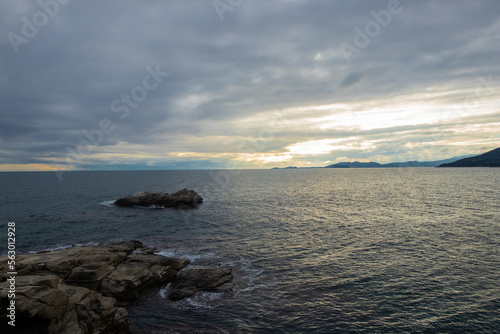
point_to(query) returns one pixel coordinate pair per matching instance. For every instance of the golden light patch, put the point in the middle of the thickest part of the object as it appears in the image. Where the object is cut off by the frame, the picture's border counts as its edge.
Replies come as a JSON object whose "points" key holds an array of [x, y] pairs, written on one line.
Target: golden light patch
{"points": [[32, 167]]}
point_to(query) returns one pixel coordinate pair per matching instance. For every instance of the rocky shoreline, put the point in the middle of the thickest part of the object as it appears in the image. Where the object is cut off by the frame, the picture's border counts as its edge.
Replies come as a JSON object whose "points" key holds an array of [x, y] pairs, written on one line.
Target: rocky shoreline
{"points": [[84, 289]]}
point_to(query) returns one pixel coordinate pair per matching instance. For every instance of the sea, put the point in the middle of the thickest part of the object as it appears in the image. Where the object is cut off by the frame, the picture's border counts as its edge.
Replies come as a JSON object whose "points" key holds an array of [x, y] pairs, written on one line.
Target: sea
{"points": [[387, 250]]}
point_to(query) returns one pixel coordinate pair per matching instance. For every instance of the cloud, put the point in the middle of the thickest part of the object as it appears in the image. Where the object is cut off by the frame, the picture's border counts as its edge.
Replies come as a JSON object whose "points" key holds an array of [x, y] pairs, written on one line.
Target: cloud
{"points": [[267, 84], [351, 79]]}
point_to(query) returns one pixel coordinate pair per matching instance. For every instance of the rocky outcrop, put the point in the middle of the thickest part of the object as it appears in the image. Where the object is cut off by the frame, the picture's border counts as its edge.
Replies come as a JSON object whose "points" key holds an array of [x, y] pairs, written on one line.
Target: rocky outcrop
{"points": [[44, 304], [39, 300], [82, 289], [112, 270], [182, 199], [191, 280]]}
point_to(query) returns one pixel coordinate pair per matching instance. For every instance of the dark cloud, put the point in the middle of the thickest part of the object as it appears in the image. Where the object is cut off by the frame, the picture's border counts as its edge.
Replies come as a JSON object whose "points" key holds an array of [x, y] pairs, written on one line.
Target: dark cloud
{"points": [[351, 79], [264, 55]]}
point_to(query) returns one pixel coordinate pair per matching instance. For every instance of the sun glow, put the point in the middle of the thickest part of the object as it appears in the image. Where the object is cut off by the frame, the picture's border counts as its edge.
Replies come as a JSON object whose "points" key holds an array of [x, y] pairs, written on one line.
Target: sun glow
{"points": [[325, 146]]}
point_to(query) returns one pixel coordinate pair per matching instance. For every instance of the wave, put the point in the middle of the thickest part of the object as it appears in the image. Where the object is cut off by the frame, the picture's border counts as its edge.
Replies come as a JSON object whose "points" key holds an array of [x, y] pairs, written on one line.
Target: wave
{"points": [[193, 258], [154, 207], [56, 248], [107, 203], [201, 300], [163, 292]]}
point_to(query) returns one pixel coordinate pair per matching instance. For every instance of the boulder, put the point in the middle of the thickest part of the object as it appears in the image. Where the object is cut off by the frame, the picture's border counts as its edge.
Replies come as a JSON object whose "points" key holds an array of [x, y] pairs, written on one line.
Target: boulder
{"points": [[191, 280], [182, 199]]}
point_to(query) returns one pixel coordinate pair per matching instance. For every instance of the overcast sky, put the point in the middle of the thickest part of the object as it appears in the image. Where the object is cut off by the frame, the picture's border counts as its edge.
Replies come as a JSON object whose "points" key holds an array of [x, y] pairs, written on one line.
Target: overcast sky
{"points": [[245, 83]]}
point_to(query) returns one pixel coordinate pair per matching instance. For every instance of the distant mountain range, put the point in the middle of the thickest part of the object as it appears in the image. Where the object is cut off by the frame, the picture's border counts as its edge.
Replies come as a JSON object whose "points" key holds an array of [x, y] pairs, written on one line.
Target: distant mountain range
{"points": [[357, 164], [488, 159], [372, 164]]}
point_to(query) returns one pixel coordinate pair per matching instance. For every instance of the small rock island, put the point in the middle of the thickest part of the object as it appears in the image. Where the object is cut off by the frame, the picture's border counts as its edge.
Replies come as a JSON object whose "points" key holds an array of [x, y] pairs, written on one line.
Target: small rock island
{"points": [[182, 199]]}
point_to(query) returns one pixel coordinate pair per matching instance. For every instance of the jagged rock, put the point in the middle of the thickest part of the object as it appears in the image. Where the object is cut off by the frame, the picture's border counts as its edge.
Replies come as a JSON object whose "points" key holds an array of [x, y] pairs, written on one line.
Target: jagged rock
{"points": [[124, 281], [191, 280], [62, 262], [180, 199], [89, 275], [138, 272], [96, 311], [109, 269], [164, 269], [76, 290], [45, 304], [161, 260]]}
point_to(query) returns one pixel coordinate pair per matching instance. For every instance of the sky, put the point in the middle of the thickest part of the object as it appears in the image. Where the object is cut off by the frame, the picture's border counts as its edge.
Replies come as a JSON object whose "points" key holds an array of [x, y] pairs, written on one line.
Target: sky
{"points": [[202, 84]]}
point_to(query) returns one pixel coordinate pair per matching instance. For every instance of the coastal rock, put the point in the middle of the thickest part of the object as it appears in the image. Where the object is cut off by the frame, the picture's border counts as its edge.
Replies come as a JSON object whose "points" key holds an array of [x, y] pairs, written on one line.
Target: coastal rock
{"points": [[191, 280], [45, 304], [81, 289], [97, 312], [182, 199], [112, 270], [125, 280], [39, 302], [78, 290], [63, 261]]}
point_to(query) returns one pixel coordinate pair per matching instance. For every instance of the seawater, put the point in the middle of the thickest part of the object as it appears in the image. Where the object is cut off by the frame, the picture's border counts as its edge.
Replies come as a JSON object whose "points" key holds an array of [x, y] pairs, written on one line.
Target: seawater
{"points": [[412, 250]]}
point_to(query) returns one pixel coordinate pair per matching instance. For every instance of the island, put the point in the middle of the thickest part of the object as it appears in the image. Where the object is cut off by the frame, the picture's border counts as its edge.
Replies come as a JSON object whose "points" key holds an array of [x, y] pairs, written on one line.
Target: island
{"points": [[184, 198]]}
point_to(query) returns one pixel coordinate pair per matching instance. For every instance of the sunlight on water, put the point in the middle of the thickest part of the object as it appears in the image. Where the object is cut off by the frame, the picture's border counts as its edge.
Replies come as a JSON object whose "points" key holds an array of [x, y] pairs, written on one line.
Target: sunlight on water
{"points": [[325, 251]]}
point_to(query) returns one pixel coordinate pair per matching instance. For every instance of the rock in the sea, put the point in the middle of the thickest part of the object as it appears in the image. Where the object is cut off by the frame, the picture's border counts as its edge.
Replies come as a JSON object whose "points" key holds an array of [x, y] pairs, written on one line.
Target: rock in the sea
{"points": [[191, 280], [81, 289], [78, 290], [112, 270], [180, 199]]}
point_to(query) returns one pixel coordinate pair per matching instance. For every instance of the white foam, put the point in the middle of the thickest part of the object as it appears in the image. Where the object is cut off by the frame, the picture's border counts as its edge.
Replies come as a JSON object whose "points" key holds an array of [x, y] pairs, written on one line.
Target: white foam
{"points": [[154, 206], [193, 258], [163, 292], [111, 203], [51, 249], [247, 277], [201, 300], [107, 203]]}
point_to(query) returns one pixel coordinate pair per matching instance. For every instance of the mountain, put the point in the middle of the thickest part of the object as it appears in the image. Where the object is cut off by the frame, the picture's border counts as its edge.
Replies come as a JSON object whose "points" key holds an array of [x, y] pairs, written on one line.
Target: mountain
{"points": [[488, 159], [370, 164], [355, 164]]}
